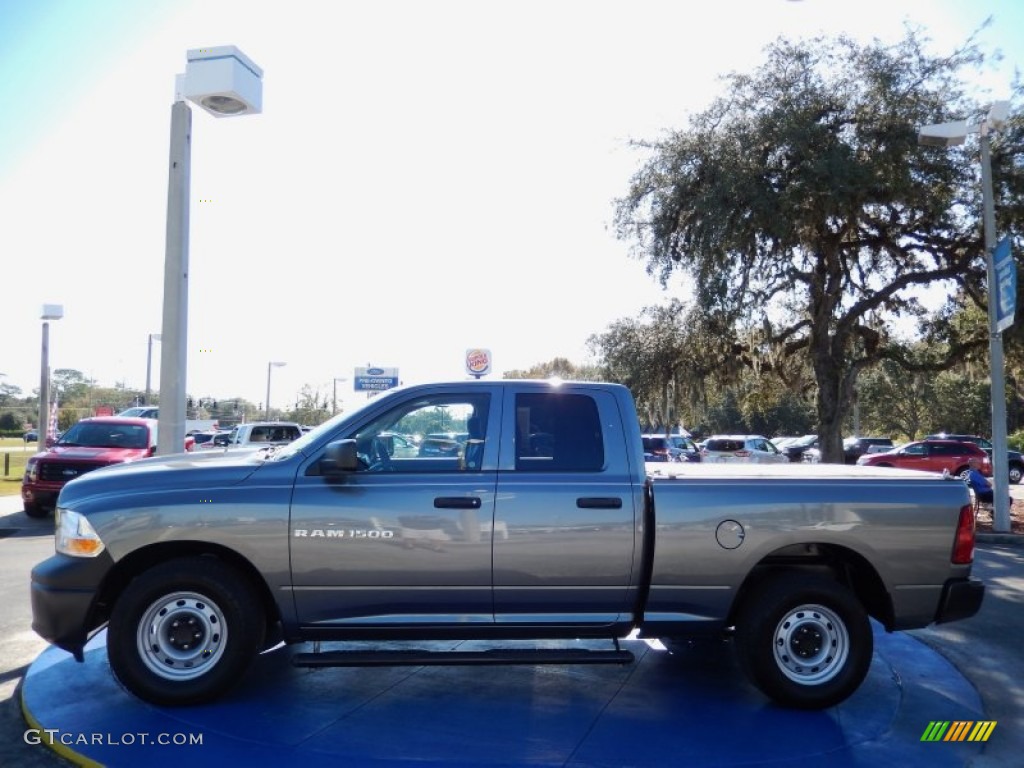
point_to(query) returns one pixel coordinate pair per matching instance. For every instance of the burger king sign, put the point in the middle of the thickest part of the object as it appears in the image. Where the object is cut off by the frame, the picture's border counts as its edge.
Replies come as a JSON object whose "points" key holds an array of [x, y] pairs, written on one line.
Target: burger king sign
{"points": [[478, 362]]}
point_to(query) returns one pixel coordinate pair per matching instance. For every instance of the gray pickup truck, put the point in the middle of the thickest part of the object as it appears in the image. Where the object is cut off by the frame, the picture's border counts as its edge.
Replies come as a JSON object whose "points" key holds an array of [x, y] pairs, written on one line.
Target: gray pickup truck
{"points": [[543, 523], [260, 434]]}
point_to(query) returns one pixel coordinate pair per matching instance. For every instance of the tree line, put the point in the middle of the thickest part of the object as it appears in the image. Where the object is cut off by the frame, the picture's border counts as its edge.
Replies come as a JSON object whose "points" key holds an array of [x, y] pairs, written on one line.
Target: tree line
{"points": [[79, 397]]}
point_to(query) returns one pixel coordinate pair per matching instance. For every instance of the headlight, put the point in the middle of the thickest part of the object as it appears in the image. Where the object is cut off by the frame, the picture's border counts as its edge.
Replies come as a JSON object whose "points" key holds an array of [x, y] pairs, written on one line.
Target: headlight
{"points": [[75, 535]]}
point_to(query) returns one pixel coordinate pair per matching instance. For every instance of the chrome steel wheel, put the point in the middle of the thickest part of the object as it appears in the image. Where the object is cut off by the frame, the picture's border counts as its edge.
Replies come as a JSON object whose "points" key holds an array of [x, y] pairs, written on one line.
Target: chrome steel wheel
{"points": [[181, 635], [811, 644]]}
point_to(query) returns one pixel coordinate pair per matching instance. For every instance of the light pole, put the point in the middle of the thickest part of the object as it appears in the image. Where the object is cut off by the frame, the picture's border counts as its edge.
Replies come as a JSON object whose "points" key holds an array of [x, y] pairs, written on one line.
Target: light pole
{"points": [[50, 312], [149, 363], [270, 366], [224, 82], [334, 407], [950, 135]]}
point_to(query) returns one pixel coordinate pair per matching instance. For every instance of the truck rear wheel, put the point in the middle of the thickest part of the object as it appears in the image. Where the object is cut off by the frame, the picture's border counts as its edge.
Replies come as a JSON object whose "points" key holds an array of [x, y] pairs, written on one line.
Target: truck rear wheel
{"points": [[804, 641], [184, 631]]}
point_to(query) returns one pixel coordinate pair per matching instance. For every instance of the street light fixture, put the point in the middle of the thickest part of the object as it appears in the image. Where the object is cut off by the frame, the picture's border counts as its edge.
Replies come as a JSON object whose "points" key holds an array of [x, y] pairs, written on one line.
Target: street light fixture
{"points": [[270, 366], [334, 407], [50, 312], [950, 135], [223, 82], [149, 363]]}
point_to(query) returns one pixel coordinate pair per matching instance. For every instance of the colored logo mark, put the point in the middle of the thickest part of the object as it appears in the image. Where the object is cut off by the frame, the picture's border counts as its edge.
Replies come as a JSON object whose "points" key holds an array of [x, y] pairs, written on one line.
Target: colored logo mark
{"points": [[959, 730]]}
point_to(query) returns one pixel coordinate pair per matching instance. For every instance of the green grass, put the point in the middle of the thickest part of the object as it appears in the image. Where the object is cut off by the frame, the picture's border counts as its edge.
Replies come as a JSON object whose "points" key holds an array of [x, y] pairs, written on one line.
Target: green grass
{"points": [[18, 451]]}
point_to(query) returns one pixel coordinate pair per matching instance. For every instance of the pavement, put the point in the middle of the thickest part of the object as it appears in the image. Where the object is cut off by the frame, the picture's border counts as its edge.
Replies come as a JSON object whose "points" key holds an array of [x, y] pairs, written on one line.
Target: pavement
{"points": [[690, 706]]}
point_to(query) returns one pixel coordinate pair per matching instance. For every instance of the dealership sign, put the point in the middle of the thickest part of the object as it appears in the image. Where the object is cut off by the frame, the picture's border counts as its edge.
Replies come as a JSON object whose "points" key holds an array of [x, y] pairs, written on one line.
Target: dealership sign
{"points": [[375, 379]]}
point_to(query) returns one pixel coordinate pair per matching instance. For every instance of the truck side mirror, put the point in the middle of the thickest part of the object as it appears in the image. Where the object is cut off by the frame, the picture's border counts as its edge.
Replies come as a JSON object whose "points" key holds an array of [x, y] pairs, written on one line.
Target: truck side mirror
{"points": [[340, 456]]}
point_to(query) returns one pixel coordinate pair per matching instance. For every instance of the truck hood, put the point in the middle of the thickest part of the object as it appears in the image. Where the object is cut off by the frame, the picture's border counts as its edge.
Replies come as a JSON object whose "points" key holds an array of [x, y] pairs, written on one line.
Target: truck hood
{"points": [[177, 471], [92, 453]]}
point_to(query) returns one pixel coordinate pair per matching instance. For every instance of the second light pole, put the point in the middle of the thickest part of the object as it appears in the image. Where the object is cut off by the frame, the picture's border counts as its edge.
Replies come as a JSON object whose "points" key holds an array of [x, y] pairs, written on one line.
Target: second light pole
{"points": [[270, 366], [950, 135], [334, 407], [149, 364]]}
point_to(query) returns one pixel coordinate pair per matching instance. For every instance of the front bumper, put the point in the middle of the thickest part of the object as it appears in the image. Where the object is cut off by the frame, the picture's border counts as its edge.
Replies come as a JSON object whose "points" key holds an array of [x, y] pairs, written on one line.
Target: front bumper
{"points": [[64, 591], [961, 599], [38, 493]]}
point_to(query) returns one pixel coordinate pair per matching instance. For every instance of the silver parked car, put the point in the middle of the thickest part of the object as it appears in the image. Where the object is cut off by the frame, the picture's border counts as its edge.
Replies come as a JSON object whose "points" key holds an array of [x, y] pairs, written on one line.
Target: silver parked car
{"points": [[751, 449]]}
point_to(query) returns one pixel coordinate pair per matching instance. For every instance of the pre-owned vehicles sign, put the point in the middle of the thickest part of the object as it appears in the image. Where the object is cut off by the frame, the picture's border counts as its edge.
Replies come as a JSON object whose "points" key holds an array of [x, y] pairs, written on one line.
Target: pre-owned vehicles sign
{"points": [[375, 379]]}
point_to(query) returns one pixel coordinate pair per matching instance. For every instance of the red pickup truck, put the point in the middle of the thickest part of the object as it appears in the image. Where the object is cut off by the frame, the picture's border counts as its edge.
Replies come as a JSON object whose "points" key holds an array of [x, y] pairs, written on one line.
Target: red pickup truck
{"points": [[88, 445]]}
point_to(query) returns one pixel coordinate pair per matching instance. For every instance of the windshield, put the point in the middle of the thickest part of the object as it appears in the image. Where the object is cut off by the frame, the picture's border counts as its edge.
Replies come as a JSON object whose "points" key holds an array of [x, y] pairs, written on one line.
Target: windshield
{"points": [[140, 412], [106, 435]]}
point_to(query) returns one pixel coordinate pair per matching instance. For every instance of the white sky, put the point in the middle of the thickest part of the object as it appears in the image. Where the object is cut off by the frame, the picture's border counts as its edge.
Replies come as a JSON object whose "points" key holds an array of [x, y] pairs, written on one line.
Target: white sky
{"points": [[426, 176]]}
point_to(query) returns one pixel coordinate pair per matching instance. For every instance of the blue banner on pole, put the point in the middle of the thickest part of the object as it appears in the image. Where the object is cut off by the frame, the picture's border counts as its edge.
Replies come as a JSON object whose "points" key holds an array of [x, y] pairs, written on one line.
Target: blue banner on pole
{"points": [[1006, 285]]}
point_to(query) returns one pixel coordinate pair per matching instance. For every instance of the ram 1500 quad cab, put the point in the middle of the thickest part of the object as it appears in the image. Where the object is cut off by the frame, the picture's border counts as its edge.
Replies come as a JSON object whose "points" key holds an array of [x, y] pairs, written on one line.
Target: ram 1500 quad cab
{"points": [[546, 524]]}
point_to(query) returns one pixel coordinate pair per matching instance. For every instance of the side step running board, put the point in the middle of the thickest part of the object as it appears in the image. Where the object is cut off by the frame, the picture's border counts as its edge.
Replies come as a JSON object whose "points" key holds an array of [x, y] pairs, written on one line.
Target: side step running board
{"points": [[493, 656]]}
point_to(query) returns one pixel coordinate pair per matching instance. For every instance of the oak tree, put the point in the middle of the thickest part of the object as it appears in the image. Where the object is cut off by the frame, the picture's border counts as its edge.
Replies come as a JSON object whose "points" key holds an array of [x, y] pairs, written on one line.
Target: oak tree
{"points": [[809, 217]]}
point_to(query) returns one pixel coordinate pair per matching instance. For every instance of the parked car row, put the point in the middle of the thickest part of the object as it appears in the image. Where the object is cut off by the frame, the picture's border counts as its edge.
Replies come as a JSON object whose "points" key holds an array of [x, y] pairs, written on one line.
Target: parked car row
{"points": [[936, 453], [1014, 458], [670, 448], [853, 449], [950, 456], [32, 436], [795, 448], [754, 449]]}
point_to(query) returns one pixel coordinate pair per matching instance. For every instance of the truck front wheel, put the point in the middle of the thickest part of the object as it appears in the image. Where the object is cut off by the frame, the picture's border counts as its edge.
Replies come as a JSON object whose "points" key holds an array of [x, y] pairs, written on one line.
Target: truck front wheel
{"points": [[32, 509], [184, 631], [804, 641]]}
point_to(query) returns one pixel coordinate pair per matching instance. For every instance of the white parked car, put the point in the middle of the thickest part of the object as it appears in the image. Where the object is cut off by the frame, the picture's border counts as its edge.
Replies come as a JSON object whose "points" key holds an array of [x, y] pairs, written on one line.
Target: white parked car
{"points": [[751, 449]]}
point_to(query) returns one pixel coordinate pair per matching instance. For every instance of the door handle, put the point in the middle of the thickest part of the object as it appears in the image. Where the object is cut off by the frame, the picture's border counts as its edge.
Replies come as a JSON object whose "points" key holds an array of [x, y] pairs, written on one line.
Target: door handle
{"points": [[457, 502], [599, 502]]}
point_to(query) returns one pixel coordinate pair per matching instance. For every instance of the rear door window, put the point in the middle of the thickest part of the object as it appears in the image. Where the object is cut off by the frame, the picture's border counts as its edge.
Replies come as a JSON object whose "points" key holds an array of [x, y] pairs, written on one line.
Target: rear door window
{"points": [[558, 432]]}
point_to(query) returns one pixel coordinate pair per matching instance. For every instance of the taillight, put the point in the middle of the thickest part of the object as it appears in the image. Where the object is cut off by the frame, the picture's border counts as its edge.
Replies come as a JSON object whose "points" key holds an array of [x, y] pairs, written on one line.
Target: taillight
{"points": [[963, 545], [741, 454]]}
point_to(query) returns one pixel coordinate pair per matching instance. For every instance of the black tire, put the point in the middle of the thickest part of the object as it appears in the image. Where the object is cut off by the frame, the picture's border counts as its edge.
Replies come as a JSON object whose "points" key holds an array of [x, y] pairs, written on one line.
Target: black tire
{"points": [[1016, 474], [804, 641], [34, 510], [185, 631]]}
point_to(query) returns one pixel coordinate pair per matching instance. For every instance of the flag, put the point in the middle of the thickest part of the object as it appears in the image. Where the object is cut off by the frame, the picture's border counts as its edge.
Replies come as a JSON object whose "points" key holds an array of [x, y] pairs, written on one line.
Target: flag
{"points": [[51, 428]]}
